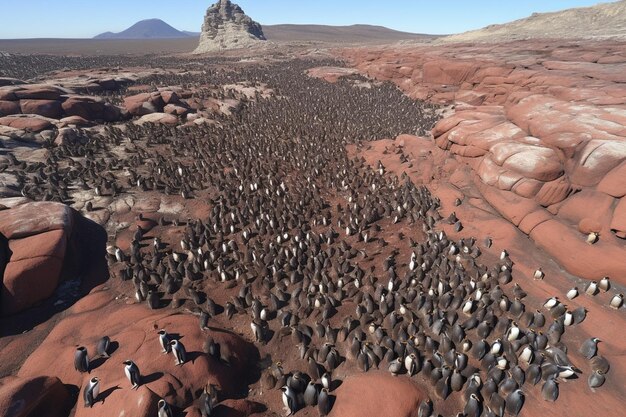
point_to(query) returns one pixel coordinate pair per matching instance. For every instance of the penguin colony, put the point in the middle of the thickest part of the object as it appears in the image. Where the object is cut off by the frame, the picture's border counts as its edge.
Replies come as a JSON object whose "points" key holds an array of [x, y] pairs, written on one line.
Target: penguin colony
{"points": [[293, 229]]}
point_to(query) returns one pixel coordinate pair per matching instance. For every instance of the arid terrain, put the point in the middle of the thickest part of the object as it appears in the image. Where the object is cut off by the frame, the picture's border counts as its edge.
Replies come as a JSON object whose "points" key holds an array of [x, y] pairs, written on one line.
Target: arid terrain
{"points": [[326, 228]]}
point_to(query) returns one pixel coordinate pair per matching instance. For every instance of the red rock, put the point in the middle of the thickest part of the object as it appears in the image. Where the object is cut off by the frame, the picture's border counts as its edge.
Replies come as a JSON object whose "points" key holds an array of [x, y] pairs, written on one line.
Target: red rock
{"points": [[47, 108], [553, 192], [587, 204], [39, 92], [34, 270], [144, 103], [444, 71], [90, 108], [161, 118], [576, 255], [132, 328], [34, 218], [614, 183], [26, 122], [8, 107], [376, 394], [75, 121], [618, 222], [170, 97], [175, 110], [588, 225], [33, 397]]}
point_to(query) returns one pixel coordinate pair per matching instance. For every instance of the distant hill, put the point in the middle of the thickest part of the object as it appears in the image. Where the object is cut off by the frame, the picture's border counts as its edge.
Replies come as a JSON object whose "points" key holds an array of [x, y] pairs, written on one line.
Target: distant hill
{"points": [[146, 29], [158, 29], [348, 34], [605, 20]]}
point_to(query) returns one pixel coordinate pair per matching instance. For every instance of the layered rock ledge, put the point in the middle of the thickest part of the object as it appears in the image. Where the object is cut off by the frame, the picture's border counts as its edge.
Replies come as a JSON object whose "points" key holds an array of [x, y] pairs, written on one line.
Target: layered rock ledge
{"points": [[542, 129]]}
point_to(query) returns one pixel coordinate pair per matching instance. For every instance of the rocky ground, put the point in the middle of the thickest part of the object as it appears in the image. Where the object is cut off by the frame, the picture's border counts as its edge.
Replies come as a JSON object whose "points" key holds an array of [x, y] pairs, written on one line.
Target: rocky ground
{"points": [[294, 215]]}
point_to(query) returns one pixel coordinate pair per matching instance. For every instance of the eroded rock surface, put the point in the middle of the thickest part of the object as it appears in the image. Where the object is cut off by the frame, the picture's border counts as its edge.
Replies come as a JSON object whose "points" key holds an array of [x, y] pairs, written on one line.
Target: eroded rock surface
{"points": [[543, 132], [226, 26]]}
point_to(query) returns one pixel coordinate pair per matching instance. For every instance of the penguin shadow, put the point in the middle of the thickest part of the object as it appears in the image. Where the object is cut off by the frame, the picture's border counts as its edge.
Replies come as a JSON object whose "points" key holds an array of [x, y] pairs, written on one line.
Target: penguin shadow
{"points": [[97, 362], [222, 410], [72, 398], [268, 334], [105, 394], [192, 356], [334, 384], [154, 376]]}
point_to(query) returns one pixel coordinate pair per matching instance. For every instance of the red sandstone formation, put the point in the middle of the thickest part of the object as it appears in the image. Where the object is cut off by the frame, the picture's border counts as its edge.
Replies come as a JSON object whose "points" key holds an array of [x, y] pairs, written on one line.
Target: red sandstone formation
{"points": [[542, 130]]}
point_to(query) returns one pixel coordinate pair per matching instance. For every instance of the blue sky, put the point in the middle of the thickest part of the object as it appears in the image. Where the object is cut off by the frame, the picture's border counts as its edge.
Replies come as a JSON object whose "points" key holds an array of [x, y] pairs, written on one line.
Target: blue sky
{"points": [[87, 18]]}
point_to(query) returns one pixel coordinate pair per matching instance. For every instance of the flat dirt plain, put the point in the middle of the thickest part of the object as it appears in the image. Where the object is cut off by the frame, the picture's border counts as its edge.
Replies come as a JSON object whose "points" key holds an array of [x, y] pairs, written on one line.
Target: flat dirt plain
{"points": [[433, 226]]}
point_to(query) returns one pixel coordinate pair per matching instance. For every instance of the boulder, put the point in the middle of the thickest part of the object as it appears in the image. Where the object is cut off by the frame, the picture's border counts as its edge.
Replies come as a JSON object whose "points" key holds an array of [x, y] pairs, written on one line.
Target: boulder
{"points": [[160, 118], [376, 394], [170, 97], [39, 396], [175, 110], [144, 103], [39, 92], [91, 108], [27, 122], [9, 107], [133, 330], [28, 219], [226, 26], [38, 235], [47, 108]]}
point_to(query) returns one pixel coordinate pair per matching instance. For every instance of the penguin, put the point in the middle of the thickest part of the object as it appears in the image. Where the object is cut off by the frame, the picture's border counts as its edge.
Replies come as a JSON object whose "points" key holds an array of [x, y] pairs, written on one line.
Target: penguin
{"points": [[572, 293], [91, 392], [81, 359], [153, 300], [604, 284], [323, 402], [616, 301], [395, 367], [102, 347], [410, 364], [289, 400], [180, 354], [589, 348], [592, 238], [599, 363], [591, 288], [164, 409], [310, 394], [164, 340], [550, 390], [206, 400], [326, 380], [596, 379], [539, 274], [425, 408], [473, 406], [514, 402], [132, 373]]}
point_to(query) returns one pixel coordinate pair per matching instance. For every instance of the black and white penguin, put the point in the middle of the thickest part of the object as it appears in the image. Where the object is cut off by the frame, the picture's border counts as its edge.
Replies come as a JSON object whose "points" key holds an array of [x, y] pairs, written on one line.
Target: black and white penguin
{"points": [[310, 394], [589, 348], [91, 392], [164, 409], [164, 341], [178, 349], [132, 373], [289, 399], [323, 402], [81, 359], [102, 347]]}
